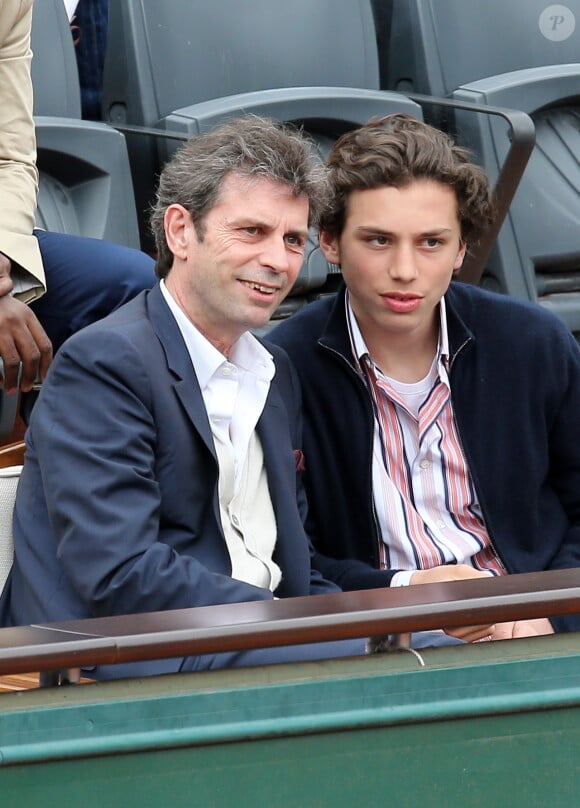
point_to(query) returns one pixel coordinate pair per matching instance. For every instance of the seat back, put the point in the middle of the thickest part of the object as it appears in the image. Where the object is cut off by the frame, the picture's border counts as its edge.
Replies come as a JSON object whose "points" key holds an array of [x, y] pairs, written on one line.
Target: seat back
{"points": [[537, 253], [435, 46], [163, 56], [523, 55], [8, 484], [183, 65], [85, 179]]}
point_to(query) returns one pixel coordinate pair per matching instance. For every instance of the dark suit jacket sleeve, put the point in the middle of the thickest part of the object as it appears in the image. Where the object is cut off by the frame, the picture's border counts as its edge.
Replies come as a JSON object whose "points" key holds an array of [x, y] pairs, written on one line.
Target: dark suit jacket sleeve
{"points": [[95, 436], [287, 379]]}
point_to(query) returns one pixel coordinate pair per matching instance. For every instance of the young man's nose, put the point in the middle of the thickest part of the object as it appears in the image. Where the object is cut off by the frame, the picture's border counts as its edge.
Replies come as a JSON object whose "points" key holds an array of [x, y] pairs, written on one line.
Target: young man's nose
{"points": [[403, 264]]}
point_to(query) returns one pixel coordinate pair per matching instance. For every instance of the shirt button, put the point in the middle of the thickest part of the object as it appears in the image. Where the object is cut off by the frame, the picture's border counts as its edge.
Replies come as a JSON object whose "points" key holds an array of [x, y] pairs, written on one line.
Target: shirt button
{"points": [[235, 521], [424, 464], [441, 523]]}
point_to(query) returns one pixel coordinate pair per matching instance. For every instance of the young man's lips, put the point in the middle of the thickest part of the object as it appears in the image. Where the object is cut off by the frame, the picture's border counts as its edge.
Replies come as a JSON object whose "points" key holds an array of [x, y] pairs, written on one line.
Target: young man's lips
{"points": [[401, 302]]}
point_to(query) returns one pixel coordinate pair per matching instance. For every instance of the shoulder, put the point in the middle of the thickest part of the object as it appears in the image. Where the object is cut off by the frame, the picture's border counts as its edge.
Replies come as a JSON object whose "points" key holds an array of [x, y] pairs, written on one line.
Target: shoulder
{"points": [[304, 327], [488, 312], [117, 340], [524, 339]]}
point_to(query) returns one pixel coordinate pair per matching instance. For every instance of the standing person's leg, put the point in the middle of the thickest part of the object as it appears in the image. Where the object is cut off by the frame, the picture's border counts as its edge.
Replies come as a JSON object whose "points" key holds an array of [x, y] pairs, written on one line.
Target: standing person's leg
{"points": [[90, 36], [86, 279]]}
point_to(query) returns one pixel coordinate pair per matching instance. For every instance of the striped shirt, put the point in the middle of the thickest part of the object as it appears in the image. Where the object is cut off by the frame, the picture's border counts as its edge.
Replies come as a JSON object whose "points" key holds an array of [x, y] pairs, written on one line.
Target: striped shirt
{"points": [[425, 501]]}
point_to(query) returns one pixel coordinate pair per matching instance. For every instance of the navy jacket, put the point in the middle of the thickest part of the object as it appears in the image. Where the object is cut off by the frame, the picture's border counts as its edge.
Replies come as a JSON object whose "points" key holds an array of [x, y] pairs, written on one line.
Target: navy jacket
{"points": [[515, 386], [117, 508]]}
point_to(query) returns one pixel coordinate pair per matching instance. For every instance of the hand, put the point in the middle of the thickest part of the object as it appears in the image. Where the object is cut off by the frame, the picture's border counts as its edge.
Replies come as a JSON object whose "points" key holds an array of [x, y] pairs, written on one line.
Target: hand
{"points": [[447, 572], [455, 572], [22, 338], [523, 628]]}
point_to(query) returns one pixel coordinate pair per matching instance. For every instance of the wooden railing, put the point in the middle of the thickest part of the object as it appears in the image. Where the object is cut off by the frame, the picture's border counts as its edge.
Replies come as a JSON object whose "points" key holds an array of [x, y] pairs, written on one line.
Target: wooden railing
{"points": [[56, 648]]}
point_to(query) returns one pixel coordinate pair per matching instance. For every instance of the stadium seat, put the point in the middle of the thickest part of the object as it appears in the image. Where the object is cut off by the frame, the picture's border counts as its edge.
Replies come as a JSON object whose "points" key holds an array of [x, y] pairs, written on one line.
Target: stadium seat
{"points": [[85, 179], [185, 65], [523, 55], [9, 477]]}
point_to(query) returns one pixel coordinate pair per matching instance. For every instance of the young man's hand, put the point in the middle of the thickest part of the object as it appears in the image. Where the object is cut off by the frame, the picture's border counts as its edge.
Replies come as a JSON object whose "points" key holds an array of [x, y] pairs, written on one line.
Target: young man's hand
{"points": [[501, 631], [455, 572], [523, 628], [22, 338]]}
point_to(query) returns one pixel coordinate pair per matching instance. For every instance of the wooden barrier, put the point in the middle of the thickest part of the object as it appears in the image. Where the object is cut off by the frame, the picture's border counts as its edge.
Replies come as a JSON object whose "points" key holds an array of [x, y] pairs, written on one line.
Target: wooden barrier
{"points": [[63, 646]]}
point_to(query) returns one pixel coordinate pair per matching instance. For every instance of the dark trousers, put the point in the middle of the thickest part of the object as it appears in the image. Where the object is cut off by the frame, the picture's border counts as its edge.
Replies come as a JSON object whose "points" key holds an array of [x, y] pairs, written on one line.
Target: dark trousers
{"points": [[86, 279]]}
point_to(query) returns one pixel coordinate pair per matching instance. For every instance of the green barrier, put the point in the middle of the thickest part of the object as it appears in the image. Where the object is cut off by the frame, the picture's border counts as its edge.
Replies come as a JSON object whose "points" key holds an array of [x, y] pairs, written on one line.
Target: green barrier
{"points": [[494, 724]]}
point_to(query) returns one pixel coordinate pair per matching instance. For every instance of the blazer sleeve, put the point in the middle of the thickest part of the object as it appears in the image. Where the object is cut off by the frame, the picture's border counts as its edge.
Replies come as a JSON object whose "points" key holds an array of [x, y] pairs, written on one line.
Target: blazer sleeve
{"points": [[18, 172]]}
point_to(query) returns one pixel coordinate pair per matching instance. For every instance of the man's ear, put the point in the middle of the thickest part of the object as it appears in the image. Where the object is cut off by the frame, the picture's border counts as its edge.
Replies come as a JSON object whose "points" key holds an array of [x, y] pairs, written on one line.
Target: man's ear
{"points": [[460, 257], [178, 230], [329, 246]]}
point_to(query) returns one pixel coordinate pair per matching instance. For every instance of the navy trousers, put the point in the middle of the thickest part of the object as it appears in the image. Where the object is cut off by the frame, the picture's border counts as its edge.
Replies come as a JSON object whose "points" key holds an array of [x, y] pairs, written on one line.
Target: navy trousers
{"points": [[86, 279]]}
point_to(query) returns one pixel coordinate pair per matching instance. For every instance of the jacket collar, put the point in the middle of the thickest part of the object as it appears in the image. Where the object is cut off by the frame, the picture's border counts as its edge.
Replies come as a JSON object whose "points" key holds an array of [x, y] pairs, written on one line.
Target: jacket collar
{"points": [[186, 383], [335, 333], [179, 364]]}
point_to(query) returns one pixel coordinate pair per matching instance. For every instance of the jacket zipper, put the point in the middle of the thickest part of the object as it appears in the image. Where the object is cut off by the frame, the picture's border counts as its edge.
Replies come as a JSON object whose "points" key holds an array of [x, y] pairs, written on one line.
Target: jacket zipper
{"points": [[375, 519], [470, 465]]}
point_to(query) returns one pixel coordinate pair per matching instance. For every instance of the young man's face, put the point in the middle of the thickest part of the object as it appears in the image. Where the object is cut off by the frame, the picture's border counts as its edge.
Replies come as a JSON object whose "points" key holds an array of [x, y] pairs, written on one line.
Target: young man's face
{"points": [[251, 251], [398, 250]]}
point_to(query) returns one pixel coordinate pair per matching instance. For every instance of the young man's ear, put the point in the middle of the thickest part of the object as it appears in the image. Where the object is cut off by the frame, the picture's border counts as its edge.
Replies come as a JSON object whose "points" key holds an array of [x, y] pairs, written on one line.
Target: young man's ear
{"points": [[329, 246], [460, 257]]}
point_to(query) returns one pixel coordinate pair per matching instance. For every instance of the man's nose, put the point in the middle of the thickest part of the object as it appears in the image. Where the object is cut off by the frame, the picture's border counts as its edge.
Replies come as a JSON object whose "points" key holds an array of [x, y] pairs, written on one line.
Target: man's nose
{"points": [[275, 254]]}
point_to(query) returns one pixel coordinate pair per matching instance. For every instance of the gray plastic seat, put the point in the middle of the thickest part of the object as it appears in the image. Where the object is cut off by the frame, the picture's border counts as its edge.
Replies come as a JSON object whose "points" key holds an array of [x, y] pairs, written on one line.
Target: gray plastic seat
{"points": [[185, 65], [85, 178], [435, 46], [524, 55]]}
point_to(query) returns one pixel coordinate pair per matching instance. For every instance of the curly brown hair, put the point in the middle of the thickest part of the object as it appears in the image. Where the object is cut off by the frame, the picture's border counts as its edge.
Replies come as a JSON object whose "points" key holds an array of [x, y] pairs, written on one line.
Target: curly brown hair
{"points": [[394, 151]]}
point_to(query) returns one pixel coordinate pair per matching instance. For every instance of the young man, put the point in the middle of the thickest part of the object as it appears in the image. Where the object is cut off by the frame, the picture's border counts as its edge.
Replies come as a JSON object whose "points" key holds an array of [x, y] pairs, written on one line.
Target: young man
{"points": [[442, 428], [160, 468]]}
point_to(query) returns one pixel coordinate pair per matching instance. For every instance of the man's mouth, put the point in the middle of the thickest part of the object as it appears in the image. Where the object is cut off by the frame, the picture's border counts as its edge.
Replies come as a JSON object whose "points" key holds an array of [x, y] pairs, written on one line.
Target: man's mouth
{"points": [[260, 287], [402, 295], [402, 302]]}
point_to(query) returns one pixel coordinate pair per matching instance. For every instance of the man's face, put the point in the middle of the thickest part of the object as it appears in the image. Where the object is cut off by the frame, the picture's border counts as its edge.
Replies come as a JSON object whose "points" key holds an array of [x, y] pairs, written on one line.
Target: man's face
{"points": [[398, 251], [249, 256]]}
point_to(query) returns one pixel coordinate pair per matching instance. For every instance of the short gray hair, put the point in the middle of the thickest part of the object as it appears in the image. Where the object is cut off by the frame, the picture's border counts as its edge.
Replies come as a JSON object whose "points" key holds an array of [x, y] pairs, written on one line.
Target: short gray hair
{"points": [[250, 146]]}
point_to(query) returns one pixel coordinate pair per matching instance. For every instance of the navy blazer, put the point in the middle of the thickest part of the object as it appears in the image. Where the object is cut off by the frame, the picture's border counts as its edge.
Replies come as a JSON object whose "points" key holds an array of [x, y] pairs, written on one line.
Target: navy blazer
{"points": [[117, 508]]}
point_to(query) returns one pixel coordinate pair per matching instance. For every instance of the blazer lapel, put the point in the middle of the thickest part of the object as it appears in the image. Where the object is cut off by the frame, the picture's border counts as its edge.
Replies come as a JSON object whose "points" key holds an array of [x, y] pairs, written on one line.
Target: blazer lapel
{"points": [[179, 365]]}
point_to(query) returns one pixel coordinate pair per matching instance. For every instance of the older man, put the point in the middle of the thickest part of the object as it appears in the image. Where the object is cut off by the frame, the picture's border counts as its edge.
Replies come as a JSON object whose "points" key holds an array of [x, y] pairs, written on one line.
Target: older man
{"points": [[161, 464]]}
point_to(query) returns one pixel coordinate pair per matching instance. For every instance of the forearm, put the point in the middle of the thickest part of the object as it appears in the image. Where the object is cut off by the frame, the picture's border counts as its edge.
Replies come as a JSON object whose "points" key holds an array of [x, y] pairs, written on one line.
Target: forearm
{"points": [[350, 574]]}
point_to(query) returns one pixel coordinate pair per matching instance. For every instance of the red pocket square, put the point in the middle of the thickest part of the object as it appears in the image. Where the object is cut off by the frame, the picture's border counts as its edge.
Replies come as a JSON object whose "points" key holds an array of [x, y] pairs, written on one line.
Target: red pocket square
{"points": [[299, 458]]}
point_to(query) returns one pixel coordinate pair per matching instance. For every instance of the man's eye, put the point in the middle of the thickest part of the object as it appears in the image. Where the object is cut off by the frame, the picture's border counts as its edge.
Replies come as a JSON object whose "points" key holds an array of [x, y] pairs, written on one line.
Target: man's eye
{"points": [[251, 230], [432, 242], [295, 241], [379, 241]]}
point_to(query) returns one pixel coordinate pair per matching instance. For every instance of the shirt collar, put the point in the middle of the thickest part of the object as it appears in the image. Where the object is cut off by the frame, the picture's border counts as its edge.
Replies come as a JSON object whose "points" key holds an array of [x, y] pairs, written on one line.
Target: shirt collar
{"points": [[247, 352]]}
